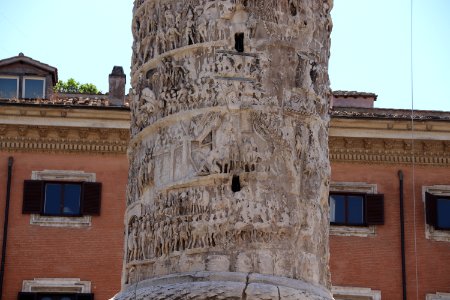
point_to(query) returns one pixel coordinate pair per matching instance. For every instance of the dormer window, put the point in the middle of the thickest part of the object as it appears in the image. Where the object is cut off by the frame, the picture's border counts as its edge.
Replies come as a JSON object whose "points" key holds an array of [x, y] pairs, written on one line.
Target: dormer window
{"points": [[25, 78], [33, 88], [9, 87]]}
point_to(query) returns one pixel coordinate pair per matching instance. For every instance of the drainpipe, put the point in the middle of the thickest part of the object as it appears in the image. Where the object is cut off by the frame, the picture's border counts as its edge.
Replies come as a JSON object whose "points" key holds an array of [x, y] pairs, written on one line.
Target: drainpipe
{"points": [[5, 224], [402, 234]]}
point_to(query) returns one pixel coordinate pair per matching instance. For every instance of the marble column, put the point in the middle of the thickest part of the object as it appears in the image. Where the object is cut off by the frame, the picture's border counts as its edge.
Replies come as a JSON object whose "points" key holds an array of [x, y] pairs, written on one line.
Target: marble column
{"points": [[228, 181]]}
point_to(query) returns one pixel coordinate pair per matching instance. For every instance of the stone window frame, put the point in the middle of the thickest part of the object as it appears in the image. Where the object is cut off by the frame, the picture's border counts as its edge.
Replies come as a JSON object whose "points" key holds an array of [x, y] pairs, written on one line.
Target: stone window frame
{"points": [[61, 221], [358, 292], [58, 285], [44, 85], [353, 187], [430, 232], [17, 78], [438, 296]]}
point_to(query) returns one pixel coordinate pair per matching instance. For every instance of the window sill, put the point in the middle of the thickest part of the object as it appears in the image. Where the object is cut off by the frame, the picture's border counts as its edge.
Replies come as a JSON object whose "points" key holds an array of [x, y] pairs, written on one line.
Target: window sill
{"points": [[436, 235], [359, 293], [438, 296], [358, 231], [71, 222], [63, 285]]}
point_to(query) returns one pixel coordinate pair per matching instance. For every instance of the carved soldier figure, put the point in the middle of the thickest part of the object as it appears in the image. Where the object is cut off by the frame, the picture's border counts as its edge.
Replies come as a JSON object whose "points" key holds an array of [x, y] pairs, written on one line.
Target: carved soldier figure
{"points": [[142, 238], [173, 35], [169, 17], [160, 42], [149, 237], [183, 229], [202, 30], [189, 29], [133, 241]]}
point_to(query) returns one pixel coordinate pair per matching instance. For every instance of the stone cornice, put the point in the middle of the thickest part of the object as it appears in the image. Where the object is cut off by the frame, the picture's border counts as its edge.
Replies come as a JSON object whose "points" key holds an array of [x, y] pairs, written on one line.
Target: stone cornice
{"points": [[29, 138], [390, 151], [388, 138], [73, 130]]}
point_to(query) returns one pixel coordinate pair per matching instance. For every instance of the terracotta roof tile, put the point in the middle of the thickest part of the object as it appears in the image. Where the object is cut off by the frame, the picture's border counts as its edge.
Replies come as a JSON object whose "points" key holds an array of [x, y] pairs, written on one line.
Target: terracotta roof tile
{"points": [[69, 100], [386, 113]]}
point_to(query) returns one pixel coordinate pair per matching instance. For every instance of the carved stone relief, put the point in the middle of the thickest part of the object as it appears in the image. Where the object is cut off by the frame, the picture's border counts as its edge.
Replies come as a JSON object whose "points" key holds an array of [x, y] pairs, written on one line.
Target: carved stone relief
{"points": [[228, 156]]}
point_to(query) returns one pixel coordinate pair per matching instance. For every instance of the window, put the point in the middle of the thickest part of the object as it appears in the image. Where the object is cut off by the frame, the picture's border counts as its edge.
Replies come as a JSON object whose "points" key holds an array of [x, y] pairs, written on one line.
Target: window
{"points": [[9, 87], [355, 293], [356, 209], [67, 199], [438, 211], [55, 296], [62, 198], [33, 88], [56, 289]]}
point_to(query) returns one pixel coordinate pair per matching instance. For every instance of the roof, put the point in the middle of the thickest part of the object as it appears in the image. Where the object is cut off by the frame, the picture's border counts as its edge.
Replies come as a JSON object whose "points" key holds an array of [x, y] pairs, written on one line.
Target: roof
{"points": [[354, 94], [28, 60], [387, 113], [67, 100]]}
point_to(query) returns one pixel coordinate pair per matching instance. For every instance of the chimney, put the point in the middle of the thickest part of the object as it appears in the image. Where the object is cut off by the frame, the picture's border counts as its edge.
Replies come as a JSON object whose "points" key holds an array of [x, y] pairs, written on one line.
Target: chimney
{"points": [[117, 80]]}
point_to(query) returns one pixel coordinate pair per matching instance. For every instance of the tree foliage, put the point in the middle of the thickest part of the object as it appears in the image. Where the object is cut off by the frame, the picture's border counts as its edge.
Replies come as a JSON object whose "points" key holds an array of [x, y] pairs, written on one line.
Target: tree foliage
{"points": [[71, 86]]}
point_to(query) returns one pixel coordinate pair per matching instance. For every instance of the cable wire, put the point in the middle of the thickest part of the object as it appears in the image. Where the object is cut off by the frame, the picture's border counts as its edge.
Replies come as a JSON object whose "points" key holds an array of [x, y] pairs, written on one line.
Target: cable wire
{"points": [[413, 148]]}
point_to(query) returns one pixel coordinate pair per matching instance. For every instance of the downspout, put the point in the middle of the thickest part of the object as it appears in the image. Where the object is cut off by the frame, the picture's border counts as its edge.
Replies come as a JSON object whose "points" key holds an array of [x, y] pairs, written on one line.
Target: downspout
{"points": [[402, 234], [5, 224]]}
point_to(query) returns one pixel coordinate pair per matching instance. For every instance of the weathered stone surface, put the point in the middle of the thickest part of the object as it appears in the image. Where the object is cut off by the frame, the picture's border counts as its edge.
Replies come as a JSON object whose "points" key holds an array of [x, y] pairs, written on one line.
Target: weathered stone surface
{"points": [[223, 285], [228, 158]]}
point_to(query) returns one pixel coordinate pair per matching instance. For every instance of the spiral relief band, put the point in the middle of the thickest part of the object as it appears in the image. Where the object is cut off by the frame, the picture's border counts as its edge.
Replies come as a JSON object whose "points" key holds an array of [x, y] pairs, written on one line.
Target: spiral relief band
{"points": [[228, 180]]}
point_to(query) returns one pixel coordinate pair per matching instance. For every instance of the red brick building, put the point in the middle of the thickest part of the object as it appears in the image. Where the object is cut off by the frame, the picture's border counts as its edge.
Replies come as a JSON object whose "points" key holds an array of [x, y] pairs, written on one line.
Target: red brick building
{"points": [[57, 248], [382, 151], [58, 243]]}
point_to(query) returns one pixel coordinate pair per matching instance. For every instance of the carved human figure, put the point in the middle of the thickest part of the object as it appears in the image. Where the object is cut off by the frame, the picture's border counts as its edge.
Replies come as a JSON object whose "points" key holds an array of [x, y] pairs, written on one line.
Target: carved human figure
{"points": [[133, 241], [189, 29], [184, 231], [149, 237], [169, 17], [158, 240], [202, 30], [142, 238], [172, 37]]}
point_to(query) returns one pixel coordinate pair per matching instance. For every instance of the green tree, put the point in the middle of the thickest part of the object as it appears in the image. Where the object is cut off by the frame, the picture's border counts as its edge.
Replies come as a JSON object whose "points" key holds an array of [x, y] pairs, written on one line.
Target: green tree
{"points": [[71, 86]]}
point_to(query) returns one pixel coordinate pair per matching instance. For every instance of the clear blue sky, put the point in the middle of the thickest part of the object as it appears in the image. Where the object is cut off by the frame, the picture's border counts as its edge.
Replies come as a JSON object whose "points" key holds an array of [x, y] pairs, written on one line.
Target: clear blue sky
{"points": [[370, 51]]}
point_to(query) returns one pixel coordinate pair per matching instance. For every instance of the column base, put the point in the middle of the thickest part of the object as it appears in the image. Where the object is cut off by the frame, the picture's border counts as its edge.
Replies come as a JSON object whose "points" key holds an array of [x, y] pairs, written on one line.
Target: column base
{"points": [[223, 285]]}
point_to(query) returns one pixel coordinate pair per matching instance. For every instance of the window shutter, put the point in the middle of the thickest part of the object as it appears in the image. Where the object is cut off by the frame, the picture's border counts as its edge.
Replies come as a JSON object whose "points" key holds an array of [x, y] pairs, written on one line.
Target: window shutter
{"points": [[33, 194], [375, 209], [85, 296], [431, 209], [91, 200], [26, 296]]}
